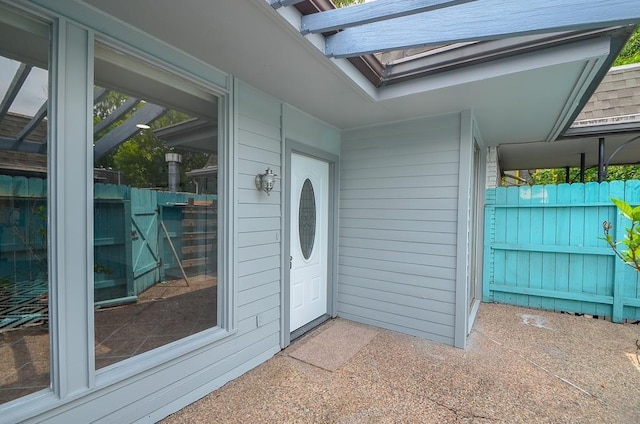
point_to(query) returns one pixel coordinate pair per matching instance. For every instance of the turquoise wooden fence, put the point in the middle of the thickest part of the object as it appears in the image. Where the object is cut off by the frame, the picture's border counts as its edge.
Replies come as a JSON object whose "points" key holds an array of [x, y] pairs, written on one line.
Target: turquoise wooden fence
{"points": [[543, 249], [113, 276], [23, 234], [131, 251]]}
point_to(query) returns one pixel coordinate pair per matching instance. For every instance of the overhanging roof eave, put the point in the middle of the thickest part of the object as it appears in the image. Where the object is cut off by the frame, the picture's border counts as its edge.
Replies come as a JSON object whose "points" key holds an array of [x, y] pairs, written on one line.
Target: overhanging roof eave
{"points": [[601, 130], [475, 53]]}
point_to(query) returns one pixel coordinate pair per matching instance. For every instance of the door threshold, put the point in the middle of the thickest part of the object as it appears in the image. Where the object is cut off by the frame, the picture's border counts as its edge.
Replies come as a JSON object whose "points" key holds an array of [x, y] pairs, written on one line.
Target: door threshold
{"points": [[309, 326]]}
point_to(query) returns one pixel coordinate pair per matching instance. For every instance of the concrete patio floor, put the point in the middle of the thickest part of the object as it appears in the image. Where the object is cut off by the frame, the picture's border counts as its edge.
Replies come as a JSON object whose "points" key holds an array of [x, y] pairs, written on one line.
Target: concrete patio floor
{"points": [[521, 365]]}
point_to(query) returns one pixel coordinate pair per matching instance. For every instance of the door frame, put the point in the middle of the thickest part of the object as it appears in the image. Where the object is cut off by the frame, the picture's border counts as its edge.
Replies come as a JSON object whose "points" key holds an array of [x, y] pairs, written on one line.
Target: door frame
{"points": [[292, 146]]}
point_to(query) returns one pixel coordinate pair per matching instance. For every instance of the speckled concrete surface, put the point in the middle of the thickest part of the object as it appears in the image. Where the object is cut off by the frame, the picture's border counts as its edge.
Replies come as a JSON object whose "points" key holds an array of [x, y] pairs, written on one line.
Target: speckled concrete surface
{"points": [[520, 366]]}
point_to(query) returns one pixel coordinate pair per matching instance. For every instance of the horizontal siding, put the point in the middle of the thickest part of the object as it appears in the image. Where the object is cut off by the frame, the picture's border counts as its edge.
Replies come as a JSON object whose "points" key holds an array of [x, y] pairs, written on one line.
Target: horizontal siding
{"points": [[434, 181], [392, 277], [434, 271], [375, 158], [436, 231], [399, 214], [258, 225], [384, 294], [414, 246], [398, 222], [303, 128]]}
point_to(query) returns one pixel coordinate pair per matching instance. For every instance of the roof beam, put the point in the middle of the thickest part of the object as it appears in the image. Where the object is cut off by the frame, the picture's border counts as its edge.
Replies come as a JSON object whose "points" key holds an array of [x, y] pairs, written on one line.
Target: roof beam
{"points": [[481, 20], [125, 107], [33, 123], [24, 146], [145, 115], [276, 4], [366, 13], [99, 93], [16, 84]]}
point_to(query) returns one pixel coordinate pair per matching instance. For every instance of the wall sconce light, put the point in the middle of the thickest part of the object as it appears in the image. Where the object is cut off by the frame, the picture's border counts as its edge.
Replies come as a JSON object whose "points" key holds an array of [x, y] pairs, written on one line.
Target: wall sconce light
{"points": [[266, 181]]}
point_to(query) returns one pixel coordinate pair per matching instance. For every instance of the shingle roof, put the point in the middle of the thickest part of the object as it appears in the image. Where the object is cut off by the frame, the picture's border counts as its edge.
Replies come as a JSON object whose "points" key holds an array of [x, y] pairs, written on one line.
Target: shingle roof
{"points": [[11, 124], [616, 100]]}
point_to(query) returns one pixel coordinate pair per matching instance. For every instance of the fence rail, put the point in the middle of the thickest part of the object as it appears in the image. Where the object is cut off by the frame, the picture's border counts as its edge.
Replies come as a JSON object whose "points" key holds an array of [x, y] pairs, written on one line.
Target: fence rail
{"points": [[543, 249]]}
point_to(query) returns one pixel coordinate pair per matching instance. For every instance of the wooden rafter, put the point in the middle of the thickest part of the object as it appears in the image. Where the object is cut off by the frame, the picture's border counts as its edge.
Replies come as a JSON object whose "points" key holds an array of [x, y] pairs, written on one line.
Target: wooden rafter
{"points": [[366, 13], [99, 93], [145, 115], [16, 84], [24, 146], [480, 20], [116, 114], [33, 123]]}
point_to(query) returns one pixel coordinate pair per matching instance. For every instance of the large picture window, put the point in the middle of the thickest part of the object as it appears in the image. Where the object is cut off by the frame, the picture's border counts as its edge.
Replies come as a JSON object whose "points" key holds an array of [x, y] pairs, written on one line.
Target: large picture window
{"points": [[24, 276], [155, 207]]}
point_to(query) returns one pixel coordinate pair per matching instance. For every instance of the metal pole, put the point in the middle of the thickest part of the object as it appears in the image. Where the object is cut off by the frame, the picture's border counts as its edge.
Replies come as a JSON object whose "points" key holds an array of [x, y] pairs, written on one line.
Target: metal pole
{"points": [[601, 175], [582, 166], [567, 178]]}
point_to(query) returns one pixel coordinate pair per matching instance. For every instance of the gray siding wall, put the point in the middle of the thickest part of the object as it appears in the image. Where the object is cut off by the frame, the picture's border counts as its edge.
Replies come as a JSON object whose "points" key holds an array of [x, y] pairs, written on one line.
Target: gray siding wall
{"points": [[398, 226]]}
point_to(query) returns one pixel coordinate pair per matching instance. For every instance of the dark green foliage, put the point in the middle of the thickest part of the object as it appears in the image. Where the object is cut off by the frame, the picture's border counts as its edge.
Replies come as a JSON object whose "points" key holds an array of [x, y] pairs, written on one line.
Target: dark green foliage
{"points": [[631, 51], [343, 3], [558, 176]]}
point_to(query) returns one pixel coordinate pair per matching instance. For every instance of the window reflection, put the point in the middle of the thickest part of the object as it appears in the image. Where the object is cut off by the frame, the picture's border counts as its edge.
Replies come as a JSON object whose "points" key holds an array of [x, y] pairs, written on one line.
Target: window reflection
{"points": [[155, 256], [24, 305]]}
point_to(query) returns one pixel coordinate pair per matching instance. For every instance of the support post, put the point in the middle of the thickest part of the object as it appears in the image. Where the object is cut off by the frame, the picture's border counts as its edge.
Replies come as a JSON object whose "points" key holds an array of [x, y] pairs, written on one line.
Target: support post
{"points": [[567, 177], [601, 171], [582, 166]]}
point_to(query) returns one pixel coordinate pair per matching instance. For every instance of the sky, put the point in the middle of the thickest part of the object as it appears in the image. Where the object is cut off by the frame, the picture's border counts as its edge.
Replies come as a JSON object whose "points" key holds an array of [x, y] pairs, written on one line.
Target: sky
{"points": [[34, 91]]}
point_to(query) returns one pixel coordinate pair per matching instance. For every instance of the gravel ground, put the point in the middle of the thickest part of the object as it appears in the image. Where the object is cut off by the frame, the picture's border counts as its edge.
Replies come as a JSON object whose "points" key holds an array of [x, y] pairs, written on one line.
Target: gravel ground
{"points": [[520, 366]]}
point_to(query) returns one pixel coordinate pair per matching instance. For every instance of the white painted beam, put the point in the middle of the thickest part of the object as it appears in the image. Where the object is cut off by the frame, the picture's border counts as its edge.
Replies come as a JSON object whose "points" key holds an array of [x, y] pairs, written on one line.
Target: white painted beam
{"points": [[370, 12], [481, 20]]}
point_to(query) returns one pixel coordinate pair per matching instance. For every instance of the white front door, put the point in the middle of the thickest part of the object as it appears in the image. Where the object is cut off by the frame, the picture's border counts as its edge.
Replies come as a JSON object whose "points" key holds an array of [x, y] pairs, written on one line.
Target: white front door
{"points": [[309, 239]]}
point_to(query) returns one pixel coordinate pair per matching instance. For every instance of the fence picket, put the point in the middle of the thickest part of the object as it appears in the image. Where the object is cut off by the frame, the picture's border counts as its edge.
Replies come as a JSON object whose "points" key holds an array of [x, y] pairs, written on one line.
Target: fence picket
{"points": [[591, 228], [538, 196], [511, 236], [549, 223]]}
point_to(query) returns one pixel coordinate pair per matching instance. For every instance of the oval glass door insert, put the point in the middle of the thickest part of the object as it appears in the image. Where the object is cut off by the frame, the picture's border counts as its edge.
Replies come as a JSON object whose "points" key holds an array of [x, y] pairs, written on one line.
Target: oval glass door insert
{"points": [[307, 219]]}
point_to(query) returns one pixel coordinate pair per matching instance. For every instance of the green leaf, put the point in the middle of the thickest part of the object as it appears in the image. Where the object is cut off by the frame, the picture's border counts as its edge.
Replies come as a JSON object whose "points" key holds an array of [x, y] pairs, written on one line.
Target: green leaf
{"points": [[624, 207], [635, 214]]}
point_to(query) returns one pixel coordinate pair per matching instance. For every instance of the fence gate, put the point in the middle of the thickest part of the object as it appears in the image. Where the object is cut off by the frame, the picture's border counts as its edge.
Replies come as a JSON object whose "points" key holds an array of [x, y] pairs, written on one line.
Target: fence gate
{"points": [[144, 236], [543, 249]]}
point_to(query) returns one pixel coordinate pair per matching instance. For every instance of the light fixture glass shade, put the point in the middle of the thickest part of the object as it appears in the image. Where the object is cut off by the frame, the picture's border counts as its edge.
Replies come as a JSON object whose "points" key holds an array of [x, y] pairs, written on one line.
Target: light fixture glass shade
{"points": [[265, 182]]}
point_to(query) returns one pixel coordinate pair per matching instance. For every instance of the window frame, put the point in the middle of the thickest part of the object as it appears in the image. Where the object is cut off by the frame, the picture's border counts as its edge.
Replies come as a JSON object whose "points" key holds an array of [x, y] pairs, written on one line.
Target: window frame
{"points": [[226, 321]]}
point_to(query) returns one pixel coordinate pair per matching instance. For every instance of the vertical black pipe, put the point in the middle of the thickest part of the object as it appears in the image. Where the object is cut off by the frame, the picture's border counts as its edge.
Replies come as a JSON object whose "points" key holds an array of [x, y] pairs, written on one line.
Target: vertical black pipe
{"points": [[582, 165], [567, 178], [601, 175]]}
